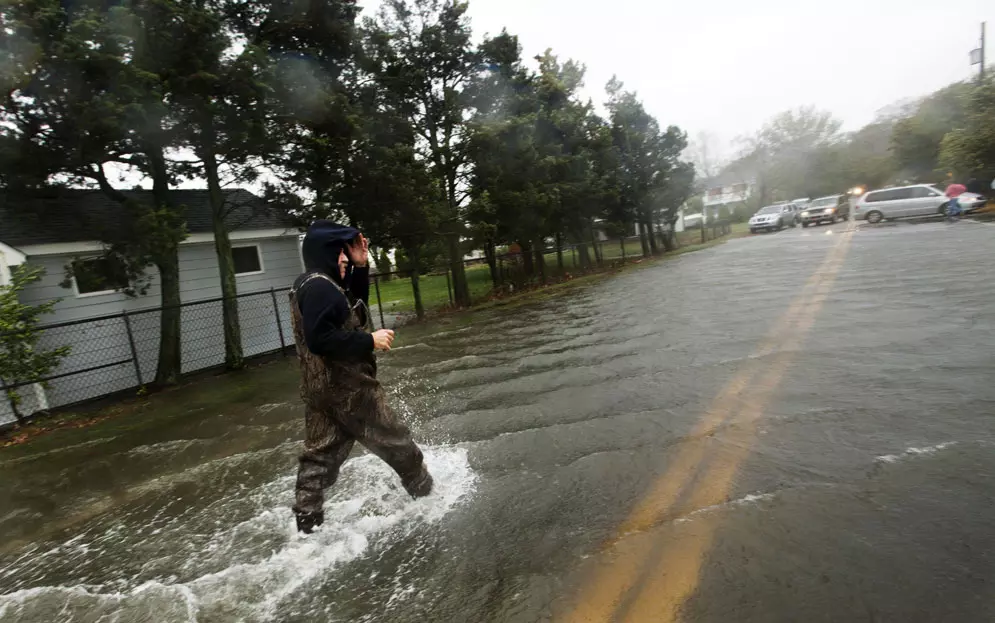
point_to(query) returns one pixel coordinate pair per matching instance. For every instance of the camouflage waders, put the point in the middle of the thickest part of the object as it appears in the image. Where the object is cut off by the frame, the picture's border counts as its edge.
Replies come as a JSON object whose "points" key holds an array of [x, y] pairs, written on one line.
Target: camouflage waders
{"points": [[344, 403]]}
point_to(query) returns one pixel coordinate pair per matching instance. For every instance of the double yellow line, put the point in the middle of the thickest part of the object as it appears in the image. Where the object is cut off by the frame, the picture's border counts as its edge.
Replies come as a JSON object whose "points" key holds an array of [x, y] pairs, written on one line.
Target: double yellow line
{"points": [[641, 578]]}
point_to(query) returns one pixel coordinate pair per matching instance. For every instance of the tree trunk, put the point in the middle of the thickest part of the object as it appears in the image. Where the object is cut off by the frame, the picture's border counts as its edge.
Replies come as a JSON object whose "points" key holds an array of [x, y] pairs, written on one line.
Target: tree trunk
{"points": [[643, 239], [234, 359], [559, 252], [168, 262], [414, 255], [539, 249], [652, 237], [168, 368], [416, 291], [585, 256], [597, 251], [382, 261], [491, 254], [528, 261], [669, 242], [461, 292]]}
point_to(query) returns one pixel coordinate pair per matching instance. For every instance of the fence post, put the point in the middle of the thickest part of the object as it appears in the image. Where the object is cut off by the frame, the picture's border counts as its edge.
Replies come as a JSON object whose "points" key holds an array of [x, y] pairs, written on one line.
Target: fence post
{"points": [[622, 241], [573, 253], [131, 343], [376, 285], [449, 288], [703, 229], [279, 323]]}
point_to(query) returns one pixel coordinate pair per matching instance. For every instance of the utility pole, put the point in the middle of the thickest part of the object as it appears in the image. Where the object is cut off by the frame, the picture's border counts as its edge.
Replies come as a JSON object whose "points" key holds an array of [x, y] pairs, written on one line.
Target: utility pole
{"points": [[978, 56], [981, 71]]}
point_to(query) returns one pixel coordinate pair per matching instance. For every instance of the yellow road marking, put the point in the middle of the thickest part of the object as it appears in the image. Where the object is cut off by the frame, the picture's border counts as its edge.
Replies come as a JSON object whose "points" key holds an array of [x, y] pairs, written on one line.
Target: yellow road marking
{"points": [[641, 583]]}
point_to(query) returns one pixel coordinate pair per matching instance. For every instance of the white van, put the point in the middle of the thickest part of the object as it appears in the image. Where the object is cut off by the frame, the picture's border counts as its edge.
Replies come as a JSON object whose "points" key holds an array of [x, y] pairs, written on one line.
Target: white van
{"points": [[918, 200]]}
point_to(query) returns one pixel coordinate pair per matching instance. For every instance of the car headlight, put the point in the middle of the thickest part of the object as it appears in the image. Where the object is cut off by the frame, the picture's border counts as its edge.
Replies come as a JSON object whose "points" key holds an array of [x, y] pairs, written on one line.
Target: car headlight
{"points": [[830, 210], [804, 213]]}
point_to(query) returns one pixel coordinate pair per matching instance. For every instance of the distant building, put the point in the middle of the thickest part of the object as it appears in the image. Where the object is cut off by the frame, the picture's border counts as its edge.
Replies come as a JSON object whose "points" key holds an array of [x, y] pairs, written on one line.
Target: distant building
{"points": [[728, 195]]}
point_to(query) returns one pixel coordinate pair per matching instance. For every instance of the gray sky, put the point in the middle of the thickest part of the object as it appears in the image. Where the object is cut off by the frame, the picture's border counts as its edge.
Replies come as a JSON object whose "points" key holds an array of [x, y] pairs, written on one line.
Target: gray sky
{"points": [[725, 66]]}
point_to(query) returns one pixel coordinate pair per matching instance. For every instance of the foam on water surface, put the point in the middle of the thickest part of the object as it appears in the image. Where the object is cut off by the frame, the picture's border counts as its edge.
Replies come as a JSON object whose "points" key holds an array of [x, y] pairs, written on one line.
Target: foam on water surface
{"points": [[911, 452], [248, 568]]}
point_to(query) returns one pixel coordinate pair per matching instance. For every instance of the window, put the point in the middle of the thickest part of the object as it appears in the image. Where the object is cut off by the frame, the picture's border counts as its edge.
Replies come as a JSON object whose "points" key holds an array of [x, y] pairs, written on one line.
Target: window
{"points": [[889, 195], [247, 260], [921, 191], [101, 275]]}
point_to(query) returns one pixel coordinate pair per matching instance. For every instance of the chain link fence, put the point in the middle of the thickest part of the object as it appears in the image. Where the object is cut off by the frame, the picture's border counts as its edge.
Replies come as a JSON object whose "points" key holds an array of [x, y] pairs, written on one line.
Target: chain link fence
{"points": [[118, 354]]}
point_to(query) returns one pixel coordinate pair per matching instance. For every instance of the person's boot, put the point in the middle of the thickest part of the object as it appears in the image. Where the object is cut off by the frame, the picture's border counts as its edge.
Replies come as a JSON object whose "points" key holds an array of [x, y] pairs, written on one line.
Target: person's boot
{"points": [[420, 485], [307, 522]]}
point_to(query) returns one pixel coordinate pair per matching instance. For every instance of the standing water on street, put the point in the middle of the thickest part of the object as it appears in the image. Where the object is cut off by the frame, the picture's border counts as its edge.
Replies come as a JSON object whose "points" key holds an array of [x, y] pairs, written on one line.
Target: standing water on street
{"points": [[545, 425]]}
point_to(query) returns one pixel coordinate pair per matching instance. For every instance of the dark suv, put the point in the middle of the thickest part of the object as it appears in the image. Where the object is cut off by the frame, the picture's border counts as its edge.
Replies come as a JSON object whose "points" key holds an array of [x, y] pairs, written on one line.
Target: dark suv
{"points": [[826, 210]]}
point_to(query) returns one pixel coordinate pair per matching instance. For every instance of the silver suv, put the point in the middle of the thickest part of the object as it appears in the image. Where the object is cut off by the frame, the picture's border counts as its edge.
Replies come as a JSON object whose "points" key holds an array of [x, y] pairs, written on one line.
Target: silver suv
{"points": [[774, 217], [918, 200]]}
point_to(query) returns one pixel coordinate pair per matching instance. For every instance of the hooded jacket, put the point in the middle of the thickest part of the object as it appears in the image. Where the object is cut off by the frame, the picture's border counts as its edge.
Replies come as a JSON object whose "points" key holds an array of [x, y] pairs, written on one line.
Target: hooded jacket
{"points": [[324, 308]]}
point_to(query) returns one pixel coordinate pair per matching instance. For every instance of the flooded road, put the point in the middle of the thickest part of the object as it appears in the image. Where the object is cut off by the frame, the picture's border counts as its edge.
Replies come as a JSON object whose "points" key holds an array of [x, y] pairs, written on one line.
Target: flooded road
{"points": [[796, 426]]}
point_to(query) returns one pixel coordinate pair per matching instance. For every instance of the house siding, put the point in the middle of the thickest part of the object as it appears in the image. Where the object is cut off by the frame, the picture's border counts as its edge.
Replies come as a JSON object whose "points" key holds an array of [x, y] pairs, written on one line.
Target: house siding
{"points": [[103, 341]]}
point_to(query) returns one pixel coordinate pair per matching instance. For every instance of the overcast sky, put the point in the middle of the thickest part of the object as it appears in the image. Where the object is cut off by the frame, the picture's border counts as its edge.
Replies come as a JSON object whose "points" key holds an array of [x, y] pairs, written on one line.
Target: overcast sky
{"points": [[725, 66]]}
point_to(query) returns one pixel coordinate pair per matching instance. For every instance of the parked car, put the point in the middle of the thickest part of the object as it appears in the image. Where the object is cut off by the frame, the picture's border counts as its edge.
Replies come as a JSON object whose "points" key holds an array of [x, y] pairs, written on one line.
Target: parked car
{"points": [[826, 210], [796, 209], [901, 202], [801, 203], [969, 202], [773, 217]]}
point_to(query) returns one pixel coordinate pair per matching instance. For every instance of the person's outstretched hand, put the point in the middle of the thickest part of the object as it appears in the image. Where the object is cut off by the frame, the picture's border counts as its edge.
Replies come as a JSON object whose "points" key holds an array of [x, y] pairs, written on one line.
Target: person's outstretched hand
{"points": [[382, 339]]}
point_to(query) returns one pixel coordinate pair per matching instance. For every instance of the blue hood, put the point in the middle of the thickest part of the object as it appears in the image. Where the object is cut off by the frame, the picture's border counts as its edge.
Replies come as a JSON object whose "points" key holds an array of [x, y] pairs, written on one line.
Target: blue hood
{"points": [[322, 243]]}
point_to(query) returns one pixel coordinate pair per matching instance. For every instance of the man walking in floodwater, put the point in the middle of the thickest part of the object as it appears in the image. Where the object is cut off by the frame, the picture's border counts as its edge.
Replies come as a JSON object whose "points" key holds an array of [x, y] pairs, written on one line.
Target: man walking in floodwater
{"points": [[343, 401]]}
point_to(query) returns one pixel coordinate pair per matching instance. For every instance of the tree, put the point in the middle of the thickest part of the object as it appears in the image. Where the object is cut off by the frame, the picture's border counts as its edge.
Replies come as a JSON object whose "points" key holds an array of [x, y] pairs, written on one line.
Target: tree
{"points": [[500, 147], [970, 151], [426, 60], [313, 45], [92, 89], [703, 153], [788, 156], [916, 139], [562, 142], [222, 110], [645, 159], [21, 361], [671, 196], [390, 190]]}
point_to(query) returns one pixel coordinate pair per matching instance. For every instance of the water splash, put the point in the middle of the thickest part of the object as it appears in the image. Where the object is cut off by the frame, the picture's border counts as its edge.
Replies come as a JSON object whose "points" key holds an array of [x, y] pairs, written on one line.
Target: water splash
{"points": [[247, 569], [911, 452]]}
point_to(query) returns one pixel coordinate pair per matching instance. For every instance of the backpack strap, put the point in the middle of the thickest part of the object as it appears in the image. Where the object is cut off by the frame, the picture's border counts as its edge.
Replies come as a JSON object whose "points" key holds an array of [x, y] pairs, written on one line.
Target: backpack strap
{"points": [[311, 277]]}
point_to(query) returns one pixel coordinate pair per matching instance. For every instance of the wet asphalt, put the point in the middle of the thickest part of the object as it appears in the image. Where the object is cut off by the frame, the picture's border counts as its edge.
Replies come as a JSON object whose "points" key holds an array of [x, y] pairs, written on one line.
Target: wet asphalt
{"points": [[796, 426]]}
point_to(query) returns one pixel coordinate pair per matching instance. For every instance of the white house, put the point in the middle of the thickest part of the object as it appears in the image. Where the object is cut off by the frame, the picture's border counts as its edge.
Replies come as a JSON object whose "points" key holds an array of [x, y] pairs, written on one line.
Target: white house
{"points": [[61, 233], [727, 195]]}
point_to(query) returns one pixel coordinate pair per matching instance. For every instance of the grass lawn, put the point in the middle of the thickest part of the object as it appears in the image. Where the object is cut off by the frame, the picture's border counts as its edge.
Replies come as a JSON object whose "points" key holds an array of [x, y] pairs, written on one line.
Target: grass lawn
{"points": [[397, 296]]}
